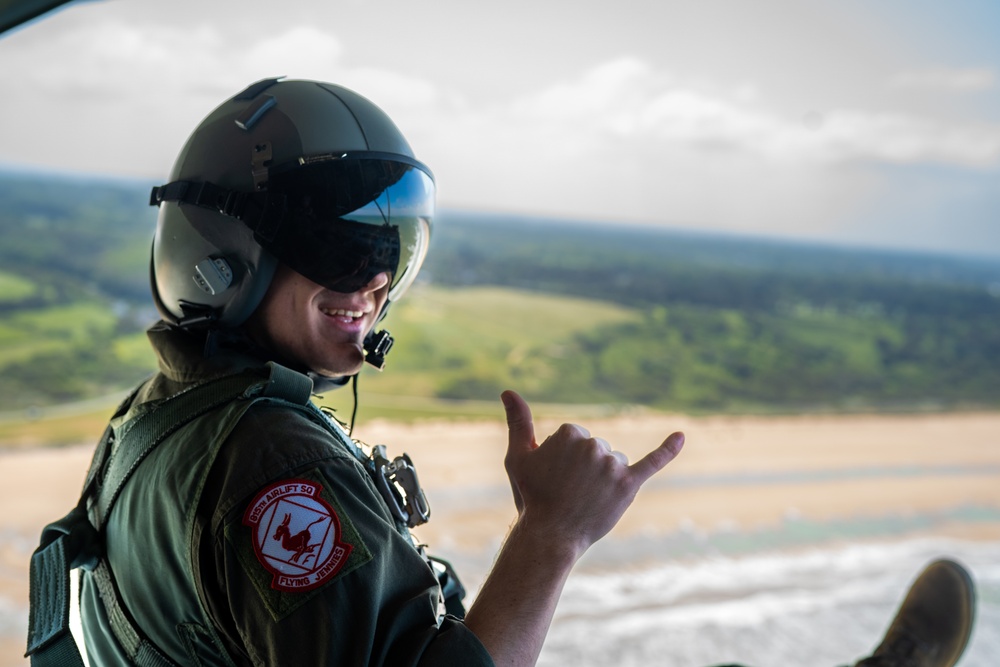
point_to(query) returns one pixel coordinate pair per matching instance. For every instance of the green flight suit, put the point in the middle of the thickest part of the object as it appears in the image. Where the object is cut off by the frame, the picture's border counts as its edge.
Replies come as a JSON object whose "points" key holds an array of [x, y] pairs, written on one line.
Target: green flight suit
{"points": [[198, 532]]}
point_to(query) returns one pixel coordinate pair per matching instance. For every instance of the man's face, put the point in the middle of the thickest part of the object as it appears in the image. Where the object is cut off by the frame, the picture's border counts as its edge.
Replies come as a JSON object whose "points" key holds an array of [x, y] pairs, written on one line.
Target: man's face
{"points": [[319, 329]]}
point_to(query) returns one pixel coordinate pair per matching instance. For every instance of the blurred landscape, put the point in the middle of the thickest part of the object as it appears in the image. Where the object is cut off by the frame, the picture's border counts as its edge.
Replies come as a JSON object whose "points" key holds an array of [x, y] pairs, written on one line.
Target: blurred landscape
{"points": [[841, 407], [566, 312]]}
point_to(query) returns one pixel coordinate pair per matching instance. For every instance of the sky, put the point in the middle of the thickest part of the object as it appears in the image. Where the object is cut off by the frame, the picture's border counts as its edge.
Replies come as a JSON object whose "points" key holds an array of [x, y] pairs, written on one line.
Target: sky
{"points": [[858, 122]]}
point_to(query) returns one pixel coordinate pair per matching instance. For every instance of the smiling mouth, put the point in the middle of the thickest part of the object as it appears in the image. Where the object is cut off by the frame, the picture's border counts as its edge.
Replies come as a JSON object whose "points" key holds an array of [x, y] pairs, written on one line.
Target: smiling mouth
{"points": [[341, 312]]}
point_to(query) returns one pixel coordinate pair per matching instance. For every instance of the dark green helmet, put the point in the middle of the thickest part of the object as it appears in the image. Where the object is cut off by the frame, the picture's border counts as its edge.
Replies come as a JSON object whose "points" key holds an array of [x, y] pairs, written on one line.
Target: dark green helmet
{"points": [[305, 173]]}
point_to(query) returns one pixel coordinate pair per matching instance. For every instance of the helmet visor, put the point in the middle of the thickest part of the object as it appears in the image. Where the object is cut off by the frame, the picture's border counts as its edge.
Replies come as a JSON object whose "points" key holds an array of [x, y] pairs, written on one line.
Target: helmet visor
{"points": [[350, 218]]}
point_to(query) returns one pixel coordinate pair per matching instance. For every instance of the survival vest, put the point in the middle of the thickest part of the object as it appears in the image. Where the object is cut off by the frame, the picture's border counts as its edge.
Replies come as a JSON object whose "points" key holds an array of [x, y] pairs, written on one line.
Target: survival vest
{"points": [[203, 416]]}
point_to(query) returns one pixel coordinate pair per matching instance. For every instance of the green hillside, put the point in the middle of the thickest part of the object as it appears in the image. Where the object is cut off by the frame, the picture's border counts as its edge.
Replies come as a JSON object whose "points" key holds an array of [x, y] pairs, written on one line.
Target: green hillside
{"points": [[564, 312], [740, 324]]}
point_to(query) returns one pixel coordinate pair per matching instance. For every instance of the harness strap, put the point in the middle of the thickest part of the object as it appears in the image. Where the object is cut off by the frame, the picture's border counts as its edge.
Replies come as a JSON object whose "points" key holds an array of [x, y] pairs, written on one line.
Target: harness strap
{"points": [[137, 647], [70, 542], [49, 641], [141, 435], [74, 541]]}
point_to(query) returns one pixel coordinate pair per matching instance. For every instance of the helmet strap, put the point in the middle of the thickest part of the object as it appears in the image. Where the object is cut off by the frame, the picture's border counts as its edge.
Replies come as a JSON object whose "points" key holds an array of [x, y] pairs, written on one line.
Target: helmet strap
{"points": [[263, 212]]}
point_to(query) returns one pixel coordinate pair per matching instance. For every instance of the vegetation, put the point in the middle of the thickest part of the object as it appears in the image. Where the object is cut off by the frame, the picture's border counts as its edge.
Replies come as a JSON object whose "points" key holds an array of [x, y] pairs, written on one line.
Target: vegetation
{"points": [[745, 324], [565, 312], [74, 288], [14, 289]]}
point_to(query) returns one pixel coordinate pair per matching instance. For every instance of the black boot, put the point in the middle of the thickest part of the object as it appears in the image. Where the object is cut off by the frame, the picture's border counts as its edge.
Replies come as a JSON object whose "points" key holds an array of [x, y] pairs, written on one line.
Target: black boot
{"points": [[934, 622]]}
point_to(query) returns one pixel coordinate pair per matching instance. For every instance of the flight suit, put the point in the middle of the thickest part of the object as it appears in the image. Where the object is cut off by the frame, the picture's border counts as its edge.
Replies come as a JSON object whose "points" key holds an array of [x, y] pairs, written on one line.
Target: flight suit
{"points": [[256, 536]]}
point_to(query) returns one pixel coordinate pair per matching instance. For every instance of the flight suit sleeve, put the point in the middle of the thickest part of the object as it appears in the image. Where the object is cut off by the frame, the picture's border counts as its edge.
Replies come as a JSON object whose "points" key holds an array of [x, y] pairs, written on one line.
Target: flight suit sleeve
{"points": [[301, 563]]}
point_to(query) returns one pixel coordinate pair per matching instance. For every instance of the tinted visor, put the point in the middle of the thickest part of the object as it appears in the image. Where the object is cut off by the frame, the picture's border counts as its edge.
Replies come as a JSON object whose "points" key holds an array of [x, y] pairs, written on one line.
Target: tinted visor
{"points": [[350, 218]]}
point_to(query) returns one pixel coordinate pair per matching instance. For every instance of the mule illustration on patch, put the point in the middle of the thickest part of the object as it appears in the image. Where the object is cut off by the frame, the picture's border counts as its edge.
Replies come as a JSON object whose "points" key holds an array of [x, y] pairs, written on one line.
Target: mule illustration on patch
{"points": [[296, 535]]}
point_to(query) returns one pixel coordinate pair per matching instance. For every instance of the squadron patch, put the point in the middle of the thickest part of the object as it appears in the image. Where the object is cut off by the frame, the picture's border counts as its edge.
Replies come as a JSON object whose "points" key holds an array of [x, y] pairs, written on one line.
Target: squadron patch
{"points": [[296, 535]]}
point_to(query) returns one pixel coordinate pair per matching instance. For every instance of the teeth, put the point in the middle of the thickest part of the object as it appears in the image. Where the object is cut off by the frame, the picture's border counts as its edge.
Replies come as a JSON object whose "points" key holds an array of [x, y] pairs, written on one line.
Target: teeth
{"points": [[342, 312]]}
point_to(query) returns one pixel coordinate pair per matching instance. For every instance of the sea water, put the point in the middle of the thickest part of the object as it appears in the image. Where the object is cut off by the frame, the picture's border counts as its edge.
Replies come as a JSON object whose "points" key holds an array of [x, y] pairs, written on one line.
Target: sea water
{"points": [[811, 606], [808, 606]]}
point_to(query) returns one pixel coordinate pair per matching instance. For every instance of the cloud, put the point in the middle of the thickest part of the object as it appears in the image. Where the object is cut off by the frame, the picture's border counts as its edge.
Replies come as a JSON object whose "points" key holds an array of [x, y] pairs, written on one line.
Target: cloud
{"points": [[108, 53], [163, 76], [135, 89], [627, 99], [947, 79], [624, 139], [597, 94], [628, 141], [901, 139], [304, 51], [129, 59]]}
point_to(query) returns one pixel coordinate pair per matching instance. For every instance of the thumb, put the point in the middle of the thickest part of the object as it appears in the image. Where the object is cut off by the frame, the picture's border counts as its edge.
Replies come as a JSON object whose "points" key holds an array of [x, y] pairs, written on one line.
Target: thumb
{"points": [[520, 428]]}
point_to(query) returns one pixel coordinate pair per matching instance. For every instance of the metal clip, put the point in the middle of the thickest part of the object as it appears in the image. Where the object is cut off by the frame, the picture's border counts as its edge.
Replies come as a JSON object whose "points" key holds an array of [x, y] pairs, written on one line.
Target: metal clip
{"points": [[397, 481]]}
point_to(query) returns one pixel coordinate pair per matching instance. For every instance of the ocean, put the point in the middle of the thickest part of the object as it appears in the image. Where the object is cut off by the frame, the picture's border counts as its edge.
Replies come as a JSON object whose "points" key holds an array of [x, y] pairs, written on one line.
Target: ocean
{"points": [[814, 606], [821, 606]]}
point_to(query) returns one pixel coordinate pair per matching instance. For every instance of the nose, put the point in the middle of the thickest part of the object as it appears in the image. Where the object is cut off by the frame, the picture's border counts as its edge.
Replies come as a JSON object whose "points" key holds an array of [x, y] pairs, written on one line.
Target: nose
{"points": [[378, 282]]}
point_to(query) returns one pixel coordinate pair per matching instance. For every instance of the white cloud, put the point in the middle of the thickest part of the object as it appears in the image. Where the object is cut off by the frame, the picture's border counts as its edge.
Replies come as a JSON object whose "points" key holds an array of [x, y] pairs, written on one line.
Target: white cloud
{"points": [[626, 141], [162, 76], [130, 59], [135, 90], [627, 99], [306, 51], [109, 53], [898, 138], [758, 123], [947, 79], [599, 93]]}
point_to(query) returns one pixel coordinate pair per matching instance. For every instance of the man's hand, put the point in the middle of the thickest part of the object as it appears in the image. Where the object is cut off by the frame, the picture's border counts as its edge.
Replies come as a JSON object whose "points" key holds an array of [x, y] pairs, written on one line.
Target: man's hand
{"points": [[573, 487], [569, 491]]}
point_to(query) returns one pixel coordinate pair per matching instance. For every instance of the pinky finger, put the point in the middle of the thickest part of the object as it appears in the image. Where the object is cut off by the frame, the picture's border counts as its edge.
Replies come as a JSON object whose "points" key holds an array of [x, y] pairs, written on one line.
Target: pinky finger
{"points": [[658, 459]]}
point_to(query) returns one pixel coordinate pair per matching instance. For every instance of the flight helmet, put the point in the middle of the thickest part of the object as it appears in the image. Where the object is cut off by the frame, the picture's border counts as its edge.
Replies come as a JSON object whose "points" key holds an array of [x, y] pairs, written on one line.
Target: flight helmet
{"points": [[305, 173]]}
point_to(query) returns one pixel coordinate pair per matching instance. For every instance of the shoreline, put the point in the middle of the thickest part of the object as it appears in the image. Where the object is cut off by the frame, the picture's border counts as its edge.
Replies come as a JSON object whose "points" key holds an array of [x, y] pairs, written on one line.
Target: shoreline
{"points": [[742, 485], [81, 424]]}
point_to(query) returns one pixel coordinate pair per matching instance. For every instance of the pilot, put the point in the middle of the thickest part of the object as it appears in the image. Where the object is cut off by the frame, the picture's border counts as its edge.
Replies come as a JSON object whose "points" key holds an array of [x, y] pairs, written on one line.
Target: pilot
{"points": [[242, 525]]}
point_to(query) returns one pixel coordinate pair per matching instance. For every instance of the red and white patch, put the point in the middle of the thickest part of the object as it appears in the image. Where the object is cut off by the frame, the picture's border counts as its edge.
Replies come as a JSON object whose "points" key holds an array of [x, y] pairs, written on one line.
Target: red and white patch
{"points": [[296, 535]]}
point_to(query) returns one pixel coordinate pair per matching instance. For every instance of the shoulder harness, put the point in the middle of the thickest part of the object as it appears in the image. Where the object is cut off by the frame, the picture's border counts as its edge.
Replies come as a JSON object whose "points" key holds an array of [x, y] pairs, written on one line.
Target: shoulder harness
{"points": [[76, 539]]}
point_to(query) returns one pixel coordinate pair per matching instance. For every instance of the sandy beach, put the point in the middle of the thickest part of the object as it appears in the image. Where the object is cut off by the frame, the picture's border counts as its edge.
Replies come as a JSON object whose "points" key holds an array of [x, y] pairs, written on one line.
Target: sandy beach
{"points": [[734, 472], [883, 477]]}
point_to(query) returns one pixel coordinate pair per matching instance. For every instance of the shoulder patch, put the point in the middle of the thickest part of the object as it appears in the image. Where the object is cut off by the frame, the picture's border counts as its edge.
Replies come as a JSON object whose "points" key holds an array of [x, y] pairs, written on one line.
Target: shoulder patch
{"points": [[284, 579], [297, 535]]}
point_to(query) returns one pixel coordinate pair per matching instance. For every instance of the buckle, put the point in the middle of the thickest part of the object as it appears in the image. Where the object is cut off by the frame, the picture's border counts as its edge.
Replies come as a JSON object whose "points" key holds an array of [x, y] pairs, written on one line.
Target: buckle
{"points": [[232, 205], [397, 481]]}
